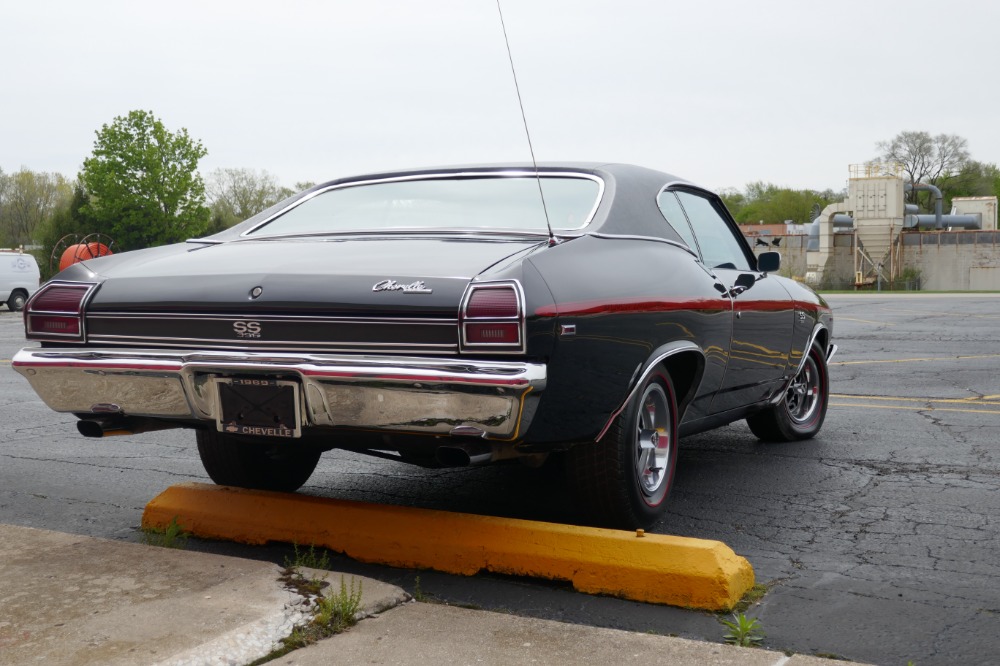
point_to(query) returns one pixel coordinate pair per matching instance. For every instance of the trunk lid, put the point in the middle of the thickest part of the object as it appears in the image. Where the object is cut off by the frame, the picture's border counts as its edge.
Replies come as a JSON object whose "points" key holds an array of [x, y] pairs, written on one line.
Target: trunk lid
{"points": [[416, 277], [399, 296]]}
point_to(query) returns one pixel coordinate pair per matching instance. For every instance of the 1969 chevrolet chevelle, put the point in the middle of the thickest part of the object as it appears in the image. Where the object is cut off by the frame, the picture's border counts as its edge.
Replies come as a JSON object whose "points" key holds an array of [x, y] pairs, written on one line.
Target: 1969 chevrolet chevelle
{"points": [[446, 317]]}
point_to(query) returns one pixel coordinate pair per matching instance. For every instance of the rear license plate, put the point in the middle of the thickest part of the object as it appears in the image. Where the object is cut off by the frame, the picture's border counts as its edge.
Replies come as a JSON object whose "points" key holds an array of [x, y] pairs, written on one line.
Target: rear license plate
{"points": [[259, 407]]}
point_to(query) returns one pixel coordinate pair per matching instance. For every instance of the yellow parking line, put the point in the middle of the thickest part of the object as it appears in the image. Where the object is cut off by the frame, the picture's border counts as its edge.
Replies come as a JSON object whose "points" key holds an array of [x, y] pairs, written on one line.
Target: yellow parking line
{"points": [[932, 313], [977, 399], [916, 360], [916, 409], [654, 568], [863, 321]]}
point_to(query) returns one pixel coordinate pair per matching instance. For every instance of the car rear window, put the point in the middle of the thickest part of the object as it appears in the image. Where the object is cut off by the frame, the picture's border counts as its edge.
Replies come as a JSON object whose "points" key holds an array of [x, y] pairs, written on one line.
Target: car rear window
{"points": [[494, 202]]}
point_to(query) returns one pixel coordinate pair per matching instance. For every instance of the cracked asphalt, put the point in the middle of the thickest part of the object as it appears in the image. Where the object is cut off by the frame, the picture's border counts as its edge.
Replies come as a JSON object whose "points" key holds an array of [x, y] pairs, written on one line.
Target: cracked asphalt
{"points": [[878, 540]]}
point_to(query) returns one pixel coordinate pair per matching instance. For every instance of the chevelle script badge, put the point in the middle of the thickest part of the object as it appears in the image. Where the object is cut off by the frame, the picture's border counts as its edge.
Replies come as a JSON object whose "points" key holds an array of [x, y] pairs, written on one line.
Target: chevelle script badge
{"points": [[417, 287]]}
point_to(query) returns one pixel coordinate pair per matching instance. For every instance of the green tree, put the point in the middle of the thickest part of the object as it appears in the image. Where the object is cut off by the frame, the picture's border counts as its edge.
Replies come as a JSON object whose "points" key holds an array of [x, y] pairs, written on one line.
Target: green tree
{"points": [[239, 194], [925, 158], [974, 179], [767, 203], [27, 200], [70, 217], [734, 200], [143, 182]]}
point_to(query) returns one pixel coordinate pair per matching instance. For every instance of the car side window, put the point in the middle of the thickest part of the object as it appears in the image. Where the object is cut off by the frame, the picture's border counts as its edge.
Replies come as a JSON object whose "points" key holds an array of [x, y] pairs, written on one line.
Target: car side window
{"points": [[671, 209], [719, 246]]}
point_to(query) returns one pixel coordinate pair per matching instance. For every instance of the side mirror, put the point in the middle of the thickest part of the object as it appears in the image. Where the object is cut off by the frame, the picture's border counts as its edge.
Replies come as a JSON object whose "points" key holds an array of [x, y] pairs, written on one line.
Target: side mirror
{"points": [[769, 262]]}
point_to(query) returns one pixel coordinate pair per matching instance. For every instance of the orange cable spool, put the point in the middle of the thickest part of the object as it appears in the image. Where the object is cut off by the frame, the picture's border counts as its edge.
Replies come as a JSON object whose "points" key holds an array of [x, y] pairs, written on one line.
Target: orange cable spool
{"points": [[80, 252]]}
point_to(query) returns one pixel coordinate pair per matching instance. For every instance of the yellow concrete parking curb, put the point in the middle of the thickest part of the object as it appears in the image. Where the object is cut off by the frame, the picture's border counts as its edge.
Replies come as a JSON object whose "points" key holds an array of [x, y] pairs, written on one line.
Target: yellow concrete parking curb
{"points": [[653, 568]]}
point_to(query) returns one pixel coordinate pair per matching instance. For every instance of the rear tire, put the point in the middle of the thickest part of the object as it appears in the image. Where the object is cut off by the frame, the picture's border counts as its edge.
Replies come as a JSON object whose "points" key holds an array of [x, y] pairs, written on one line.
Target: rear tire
{"points": [[246, 463], [802, 410], [623, 481], [17, 299]]}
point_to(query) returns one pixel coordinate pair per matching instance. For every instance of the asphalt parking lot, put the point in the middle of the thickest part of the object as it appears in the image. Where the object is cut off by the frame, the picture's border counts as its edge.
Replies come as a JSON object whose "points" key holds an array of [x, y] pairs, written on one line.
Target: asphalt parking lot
{"points": [[878, 540]]}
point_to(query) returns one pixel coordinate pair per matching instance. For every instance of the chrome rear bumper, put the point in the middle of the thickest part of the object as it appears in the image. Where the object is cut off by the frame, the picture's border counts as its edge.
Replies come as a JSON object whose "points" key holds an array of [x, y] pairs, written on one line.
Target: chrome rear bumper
{"points": [[491, 399]]}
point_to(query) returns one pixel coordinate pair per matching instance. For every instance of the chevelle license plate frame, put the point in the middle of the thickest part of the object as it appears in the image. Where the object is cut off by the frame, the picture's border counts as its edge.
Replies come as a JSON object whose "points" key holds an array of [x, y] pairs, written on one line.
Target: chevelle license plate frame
{"points": [[258, 407]]}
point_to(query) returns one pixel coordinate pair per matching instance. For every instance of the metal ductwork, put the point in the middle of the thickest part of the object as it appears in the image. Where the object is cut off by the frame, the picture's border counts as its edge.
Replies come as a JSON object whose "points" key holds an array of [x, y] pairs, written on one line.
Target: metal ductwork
{"points": [[938, 199], [969, 221], [840, 221]]}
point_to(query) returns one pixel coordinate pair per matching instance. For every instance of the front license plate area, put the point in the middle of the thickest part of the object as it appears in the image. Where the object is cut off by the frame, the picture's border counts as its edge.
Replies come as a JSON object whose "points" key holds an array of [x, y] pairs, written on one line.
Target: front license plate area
{"points": [[258, 407]]}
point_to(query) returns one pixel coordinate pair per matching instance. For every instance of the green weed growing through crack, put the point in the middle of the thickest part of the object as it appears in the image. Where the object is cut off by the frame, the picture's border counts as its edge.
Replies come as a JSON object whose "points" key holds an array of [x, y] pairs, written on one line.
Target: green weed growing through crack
{"points": [[171, 536], [743, 631], [418, 593], [332, 614], [312, 558]]}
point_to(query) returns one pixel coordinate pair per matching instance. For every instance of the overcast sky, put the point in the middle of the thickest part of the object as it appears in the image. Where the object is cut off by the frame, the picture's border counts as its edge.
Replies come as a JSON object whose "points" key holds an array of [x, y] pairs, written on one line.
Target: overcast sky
{"points": [[719, 92]]}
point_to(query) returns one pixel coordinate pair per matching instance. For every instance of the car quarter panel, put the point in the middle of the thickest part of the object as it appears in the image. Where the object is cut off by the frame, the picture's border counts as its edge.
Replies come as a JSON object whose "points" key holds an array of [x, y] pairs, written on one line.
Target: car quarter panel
{"points": [[811, 311], [618, 301]]}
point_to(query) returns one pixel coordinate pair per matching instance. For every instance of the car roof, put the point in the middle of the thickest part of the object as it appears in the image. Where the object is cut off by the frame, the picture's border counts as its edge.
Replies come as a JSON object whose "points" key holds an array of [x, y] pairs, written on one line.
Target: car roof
{"points": [[628, 207]]}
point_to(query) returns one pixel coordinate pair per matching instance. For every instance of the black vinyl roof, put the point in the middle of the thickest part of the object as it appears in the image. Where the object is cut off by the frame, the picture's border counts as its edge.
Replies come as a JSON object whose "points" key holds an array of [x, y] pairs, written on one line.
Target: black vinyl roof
{"points": [[628, 207]]}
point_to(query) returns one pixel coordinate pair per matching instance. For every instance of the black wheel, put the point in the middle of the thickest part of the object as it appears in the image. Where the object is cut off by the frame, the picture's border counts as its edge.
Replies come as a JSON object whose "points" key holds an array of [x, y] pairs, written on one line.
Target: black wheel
{"points": [[260, 465], [623, 480], [801, 412], [17, 299]]}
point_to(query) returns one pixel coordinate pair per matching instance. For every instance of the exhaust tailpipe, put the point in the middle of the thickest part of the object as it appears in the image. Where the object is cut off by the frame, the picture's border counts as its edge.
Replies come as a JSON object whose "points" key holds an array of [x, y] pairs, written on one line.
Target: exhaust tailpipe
{"points": [[119, 426], [464, 455]]}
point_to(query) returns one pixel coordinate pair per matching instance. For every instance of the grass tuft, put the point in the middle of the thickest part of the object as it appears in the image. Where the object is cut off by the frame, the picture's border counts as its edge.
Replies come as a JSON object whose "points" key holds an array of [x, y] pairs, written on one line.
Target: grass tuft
{"points": [[333, 614], [172, 536]]}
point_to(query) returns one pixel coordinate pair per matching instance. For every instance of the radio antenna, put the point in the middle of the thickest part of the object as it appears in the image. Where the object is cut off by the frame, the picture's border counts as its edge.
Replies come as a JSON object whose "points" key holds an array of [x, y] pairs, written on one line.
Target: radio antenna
{"points": [[524, 119]]}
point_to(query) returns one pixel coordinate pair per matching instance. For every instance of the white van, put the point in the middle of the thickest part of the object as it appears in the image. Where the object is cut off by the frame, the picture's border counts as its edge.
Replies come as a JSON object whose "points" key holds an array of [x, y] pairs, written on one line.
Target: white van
{"points": [[18, 278]]}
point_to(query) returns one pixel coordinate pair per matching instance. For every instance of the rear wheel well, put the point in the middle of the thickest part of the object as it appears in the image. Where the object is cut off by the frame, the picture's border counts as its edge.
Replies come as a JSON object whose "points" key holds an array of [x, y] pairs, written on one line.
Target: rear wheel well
{"points": [[822, 338], [685, 371]]}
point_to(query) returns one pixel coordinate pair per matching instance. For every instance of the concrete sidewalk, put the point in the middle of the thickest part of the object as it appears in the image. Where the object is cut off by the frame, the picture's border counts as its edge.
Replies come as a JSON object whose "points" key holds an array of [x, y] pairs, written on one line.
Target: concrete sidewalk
{"points": [[68, 599]]}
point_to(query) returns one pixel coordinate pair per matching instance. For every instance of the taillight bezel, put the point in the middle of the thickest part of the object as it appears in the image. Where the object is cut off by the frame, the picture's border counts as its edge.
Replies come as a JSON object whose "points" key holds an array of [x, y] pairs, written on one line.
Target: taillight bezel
{"points": [[86, 289], [519, 319]]}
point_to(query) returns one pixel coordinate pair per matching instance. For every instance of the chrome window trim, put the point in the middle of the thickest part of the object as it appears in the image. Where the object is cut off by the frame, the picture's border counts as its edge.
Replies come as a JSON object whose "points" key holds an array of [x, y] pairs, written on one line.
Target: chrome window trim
{"points": [[644, 238], [727, 217], [461, 175], [669, 187]]}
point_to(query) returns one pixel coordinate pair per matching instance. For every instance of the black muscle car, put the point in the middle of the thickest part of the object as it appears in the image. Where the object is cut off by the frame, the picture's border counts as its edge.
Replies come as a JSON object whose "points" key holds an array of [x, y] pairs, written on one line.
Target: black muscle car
{"points": [[446, 317]]}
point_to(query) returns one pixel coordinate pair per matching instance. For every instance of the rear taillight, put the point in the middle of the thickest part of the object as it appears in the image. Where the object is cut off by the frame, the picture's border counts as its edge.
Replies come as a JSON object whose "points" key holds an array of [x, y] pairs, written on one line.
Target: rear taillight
{"points": [[55, 312], [492, 318], [492, 302]]}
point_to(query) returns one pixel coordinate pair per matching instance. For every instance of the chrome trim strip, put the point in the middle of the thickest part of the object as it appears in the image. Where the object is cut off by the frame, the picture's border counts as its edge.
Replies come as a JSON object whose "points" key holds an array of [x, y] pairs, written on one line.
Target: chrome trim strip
{"points": [[802, 362], [644, 238], [249, 343], [831, 352], [462, 175], [316, 349], [805, 353], [394, 393], [319, 319], [681, 346]]}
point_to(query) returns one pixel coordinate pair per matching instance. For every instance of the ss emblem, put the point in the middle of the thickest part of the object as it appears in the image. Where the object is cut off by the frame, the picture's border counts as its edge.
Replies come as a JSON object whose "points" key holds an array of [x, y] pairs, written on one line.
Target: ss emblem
{"points": [[246, 329]]}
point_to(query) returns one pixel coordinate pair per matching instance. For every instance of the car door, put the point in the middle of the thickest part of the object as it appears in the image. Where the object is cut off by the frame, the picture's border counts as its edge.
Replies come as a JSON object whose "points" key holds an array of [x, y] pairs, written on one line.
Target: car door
{"points": [[762, 312]]}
